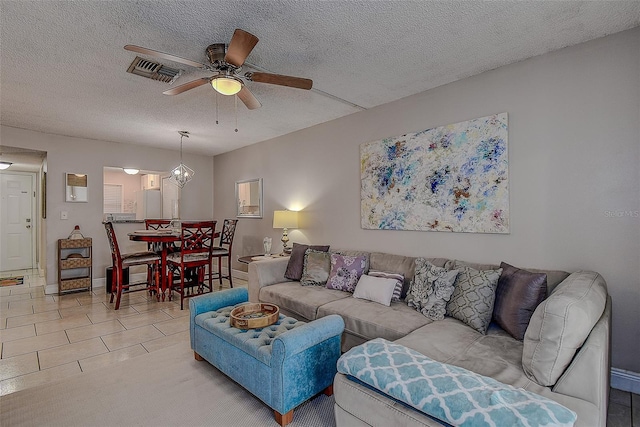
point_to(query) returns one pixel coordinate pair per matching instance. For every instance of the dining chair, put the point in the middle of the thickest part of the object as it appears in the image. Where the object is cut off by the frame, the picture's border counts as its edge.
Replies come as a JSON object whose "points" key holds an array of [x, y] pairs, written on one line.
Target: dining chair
{"points": [[192, 260], [224, 250], [121, 261]]}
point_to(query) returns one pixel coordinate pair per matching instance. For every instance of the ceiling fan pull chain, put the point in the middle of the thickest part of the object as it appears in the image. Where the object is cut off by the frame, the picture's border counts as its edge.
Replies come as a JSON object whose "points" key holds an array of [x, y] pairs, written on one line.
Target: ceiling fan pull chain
{"points": [[236, 103], [216, 107]]}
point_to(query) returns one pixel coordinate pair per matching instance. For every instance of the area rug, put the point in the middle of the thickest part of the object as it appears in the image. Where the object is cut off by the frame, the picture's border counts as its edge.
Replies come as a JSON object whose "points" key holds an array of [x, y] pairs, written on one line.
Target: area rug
{"points": [[11, 281], [164, 388]]}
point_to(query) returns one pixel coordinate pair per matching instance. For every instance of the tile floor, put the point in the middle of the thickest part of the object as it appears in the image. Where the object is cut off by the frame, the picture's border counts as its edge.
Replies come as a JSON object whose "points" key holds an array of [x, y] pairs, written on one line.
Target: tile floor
{"points": [[46, 337], [49, 337]]}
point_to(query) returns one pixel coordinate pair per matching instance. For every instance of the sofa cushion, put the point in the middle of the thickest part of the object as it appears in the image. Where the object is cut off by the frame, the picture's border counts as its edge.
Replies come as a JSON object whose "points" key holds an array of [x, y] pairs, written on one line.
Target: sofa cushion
{"points": [[518, 294], [496, 354], [300, 301], [346, 271], [430, 289], [400, 264], [473, 297], [296, 260], [376, 289], [315, 270], [398, 277], [554, 277], [561, 324], [368, 320]]}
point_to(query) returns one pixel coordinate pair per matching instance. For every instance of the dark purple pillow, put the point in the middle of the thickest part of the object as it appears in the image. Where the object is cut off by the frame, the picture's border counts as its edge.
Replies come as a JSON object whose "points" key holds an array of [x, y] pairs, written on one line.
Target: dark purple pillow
{"points": [[518, 294], [296, 261]]}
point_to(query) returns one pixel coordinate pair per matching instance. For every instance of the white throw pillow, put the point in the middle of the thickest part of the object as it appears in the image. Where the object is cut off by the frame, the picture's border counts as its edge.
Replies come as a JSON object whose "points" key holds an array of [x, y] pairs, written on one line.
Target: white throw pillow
{"points": [[376, 289]]}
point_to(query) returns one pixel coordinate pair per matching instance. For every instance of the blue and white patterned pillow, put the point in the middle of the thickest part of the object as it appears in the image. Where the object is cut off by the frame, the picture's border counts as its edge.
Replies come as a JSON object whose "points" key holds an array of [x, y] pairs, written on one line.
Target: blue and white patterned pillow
{"points": [[449, 393]]}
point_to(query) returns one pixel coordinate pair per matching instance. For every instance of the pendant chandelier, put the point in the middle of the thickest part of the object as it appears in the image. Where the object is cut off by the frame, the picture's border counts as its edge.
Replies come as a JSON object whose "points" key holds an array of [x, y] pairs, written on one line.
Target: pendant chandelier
{"points": [[181, 174]]}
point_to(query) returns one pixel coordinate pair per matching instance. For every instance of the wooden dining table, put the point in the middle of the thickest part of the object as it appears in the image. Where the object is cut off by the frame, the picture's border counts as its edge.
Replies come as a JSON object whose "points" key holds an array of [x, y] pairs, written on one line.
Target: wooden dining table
{"points": [[164, 237]]}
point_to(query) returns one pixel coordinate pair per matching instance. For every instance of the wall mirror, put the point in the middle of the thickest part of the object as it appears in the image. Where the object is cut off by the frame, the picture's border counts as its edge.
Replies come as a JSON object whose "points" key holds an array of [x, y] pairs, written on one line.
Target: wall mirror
{"points": [[249, 198], [76, 187]]}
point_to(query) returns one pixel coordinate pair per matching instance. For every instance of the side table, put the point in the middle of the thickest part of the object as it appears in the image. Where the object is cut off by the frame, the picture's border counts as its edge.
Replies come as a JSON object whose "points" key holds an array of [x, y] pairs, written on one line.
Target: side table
{"points": [[249, 258]]}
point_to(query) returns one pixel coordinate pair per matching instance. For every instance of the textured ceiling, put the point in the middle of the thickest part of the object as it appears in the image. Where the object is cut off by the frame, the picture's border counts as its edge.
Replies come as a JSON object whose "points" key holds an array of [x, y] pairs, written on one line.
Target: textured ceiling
{"points": [[62, 63]]}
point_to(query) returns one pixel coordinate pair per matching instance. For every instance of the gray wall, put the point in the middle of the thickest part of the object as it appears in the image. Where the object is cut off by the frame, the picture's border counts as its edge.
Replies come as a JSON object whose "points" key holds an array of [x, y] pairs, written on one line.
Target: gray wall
{"points": [[76, 155], [574, 152]]}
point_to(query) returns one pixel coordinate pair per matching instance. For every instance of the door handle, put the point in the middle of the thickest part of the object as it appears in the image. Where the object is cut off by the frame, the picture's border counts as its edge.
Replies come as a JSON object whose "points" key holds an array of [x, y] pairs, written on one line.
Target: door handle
{"points": [[28, 226]]}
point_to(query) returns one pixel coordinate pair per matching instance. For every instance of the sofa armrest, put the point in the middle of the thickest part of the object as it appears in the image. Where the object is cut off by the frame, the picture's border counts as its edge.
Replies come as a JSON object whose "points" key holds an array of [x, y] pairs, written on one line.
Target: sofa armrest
{"points": [[265, 273], [588, 375], [216, 300], [303, 337], [210, 302]]}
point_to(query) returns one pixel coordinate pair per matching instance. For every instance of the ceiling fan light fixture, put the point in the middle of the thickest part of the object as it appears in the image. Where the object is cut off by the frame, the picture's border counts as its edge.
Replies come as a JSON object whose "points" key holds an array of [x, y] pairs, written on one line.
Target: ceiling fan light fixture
{"points": [[5, 165], [226, 85]]}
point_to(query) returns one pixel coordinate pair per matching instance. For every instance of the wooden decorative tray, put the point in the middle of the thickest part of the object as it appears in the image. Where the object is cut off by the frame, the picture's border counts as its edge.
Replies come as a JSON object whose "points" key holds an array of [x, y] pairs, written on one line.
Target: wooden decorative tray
{"points": [[254, 315]]}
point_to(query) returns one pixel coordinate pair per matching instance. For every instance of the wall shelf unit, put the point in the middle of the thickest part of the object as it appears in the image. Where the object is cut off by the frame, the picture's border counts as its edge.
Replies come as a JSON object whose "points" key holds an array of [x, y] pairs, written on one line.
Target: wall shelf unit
{"points": [[75, 265]]}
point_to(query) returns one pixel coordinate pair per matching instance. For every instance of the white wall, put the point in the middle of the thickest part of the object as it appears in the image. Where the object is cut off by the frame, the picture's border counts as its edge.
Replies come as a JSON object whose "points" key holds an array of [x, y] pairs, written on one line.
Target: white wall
{"points": [[66, 154], [574, 152]]}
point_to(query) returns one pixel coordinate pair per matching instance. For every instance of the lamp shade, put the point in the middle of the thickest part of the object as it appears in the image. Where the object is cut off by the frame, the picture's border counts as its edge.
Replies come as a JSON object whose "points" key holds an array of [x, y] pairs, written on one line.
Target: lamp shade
{"points": [[226, 85], [285, 219]]}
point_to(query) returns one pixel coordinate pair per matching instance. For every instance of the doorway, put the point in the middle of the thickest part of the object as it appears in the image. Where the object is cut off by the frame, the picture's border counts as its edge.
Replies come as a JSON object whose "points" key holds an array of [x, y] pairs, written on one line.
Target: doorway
{"points": [[17, 221]]}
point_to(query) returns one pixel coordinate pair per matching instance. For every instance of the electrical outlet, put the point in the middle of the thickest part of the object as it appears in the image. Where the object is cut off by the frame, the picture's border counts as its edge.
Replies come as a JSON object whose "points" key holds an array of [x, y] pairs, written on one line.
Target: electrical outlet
{"points": [[64, 215]]}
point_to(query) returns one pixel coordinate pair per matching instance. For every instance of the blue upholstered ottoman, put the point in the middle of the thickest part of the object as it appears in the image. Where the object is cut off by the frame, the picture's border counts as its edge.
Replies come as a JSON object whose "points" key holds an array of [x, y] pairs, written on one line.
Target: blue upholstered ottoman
{"points": [[283, 364]]}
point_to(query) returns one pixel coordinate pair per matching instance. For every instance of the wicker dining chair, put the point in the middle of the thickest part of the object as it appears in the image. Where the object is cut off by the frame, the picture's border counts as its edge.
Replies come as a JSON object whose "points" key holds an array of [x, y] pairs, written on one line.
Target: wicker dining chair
{"points": [[121, 261], [224, 250], [192, 260]]}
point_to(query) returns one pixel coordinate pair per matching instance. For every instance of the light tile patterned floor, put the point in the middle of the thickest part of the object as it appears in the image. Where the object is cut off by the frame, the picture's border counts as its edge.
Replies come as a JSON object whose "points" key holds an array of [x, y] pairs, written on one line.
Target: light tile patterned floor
{"points": [[48, 337]]}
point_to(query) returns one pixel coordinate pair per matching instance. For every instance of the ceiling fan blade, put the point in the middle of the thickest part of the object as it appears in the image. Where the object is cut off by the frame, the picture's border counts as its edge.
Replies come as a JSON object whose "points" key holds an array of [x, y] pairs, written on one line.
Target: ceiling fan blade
{"points": [[277, 79], [240, 46], [249, 100], [187, 86], [163, 55]]}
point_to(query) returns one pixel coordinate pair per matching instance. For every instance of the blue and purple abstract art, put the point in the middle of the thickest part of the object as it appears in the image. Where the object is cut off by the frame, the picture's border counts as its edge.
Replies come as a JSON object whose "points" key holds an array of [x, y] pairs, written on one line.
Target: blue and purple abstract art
{"points": [[449, 178]]}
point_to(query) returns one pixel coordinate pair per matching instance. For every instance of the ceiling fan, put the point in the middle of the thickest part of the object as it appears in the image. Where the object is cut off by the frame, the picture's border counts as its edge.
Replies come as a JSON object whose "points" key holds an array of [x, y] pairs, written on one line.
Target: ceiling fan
{"points": [[225, 62]]}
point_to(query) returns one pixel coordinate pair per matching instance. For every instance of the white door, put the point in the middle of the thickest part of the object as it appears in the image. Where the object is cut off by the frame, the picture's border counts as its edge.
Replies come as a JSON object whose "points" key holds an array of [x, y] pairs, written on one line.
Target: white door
{"points": [[16, 222]]}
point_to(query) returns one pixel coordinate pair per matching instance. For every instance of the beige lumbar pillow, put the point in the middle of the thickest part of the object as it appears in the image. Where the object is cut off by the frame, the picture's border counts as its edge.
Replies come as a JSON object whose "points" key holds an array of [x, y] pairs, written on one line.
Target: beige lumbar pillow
{"points": [[561, 324]]}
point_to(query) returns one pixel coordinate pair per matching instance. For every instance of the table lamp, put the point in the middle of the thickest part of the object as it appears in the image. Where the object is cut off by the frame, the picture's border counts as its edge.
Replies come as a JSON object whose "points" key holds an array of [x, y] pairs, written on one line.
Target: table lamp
{"points": [[285, 220]]}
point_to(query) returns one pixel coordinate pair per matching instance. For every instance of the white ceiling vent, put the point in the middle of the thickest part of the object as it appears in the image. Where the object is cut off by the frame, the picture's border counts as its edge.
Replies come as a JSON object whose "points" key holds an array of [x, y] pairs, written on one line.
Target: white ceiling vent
{"points": [[153, 70]]}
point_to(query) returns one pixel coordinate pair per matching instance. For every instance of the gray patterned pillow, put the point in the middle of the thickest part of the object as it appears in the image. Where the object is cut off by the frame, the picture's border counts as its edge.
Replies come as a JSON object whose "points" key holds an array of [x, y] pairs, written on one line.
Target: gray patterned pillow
{"points": [[316, 267], [430, 289], [473, 297]]}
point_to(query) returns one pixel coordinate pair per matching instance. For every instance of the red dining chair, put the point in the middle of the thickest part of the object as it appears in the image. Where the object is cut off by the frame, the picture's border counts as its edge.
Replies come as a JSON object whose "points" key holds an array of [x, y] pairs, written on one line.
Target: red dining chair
{"points": [[192, 260], [160, 224], [121, 261], [224, 250]]}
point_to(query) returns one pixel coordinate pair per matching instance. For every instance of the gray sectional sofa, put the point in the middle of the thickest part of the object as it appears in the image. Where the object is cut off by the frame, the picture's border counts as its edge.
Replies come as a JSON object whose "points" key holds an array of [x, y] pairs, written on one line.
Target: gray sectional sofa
{"points": [[565, 355]]}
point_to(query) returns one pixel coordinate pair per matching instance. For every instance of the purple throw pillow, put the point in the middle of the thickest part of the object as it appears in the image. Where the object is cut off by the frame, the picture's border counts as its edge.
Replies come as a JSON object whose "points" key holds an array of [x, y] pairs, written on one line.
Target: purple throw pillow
{"points": [[346, 271], [518, 294], [296, 261]]}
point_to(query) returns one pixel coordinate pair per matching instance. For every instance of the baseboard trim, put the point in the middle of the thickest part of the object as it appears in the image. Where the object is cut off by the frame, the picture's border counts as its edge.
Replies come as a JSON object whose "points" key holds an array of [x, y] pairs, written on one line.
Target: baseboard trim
{"points": [[625, 380], [52, 289], [243, 275]]}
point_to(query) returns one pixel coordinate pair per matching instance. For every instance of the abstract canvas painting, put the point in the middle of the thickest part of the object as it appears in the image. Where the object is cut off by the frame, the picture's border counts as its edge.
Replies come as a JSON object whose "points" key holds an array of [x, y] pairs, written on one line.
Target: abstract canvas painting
{"points": [[449, 178]]}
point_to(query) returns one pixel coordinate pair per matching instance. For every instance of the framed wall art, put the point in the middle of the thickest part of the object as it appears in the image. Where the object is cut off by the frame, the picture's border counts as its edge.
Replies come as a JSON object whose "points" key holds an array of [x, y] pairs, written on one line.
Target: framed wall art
{"points": [[449, 178]]}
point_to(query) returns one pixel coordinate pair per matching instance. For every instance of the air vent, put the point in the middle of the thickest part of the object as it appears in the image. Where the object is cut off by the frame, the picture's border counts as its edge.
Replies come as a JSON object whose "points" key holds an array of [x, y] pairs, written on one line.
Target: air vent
{"points": [[153, 70]]}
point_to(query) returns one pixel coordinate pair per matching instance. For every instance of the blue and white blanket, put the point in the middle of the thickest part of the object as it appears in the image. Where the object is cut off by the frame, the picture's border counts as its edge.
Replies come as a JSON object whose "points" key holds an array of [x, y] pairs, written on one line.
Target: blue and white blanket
{"points": [[451, 394]]}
